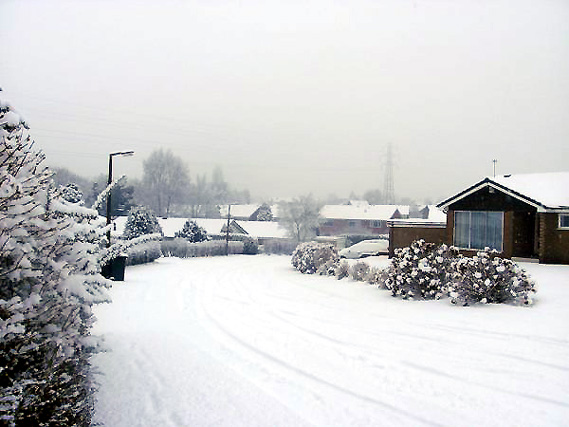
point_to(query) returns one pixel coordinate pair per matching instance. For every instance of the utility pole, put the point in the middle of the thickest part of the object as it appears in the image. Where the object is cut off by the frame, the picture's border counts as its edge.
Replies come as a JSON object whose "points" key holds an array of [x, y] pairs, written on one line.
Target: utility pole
{"points": [[494, 161], [227, 229], [388, 186]]}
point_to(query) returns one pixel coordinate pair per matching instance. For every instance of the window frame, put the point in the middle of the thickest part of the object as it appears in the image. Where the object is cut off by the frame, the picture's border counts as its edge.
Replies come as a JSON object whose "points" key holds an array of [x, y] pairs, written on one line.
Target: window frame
{"points": [[559, 221], [470, 236]]}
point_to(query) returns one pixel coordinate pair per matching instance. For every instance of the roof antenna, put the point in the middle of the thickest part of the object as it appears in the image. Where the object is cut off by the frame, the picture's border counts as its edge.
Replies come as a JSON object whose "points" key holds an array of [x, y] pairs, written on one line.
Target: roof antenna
{"points": [[494, 161]]}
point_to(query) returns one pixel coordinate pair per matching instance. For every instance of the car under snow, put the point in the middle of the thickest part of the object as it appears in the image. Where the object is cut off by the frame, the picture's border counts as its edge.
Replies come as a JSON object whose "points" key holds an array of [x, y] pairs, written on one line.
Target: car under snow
{"points": [[366, 248]]}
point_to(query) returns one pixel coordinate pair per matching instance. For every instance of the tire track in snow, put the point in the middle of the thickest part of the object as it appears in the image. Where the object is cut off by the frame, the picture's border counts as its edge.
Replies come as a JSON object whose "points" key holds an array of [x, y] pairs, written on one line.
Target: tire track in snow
{"points": [[303, 373], [430, 370]]}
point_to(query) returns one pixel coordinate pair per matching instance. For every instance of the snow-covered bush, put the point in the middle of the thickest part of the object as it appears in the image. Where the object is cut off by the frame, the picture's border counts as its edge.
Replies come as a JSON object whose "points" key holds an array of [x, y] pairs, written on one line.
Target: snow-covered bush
{"points": [[374, 276], [141, 221], [310, 256], [192, 232], [250, 246], [342, 270], [72, 193], [328, 268], [359, 271], [50, 278], [420, 271], [486, 278]]}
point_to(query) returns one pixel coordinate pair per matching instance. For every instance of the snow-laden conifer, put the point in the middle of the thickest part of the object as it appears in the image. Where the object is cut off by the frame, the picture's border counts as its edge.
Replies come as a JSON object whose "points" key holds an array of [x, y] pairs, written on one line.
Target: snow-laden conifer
{"points": [[192, 232], [140, 221], [50, 278]]}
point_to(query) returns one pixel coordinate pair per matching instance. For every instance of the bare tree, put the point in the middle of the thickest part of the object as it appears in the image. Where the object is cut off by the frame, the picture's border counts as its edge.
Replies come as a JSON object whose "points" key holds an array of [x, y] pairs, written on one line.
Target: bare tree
{"points": [[300, 217], [165, 180]]}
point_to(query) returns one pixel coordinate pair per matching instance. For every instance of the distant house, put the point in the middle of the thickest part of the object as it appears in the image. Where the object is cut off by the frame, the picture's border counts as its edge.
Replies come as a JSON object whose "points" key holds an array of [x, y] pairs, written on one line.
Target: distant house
{"points": [[359, 218], [524, 216]]}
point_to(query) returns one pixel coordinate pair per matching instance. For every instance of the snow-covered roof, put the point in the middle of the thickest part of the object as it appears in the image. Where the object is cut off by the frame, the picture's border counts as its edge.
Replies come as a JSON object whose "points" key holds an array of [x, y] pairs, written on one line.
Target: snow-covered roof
{"points": [[362, 211], [542, 190], [263, 229]]}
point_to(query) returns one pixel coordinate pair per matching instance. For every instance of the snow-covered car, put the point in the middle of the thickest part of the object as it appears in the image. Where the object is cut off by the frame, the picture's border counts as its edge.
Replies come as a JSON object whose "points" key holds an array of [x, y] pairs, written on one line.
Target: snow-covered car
{"points": [[366, 248]]}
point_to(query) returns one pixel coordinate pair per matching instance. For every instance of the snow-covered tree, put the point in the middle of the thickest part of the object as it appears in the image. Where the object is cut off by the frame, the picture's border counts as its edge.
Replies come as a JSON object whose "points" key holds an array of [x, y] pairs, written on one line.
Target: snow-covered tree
{"points": [[192, 232], [50, 278], [140, 221], [300, 217], [165, 181], [72, 193]]}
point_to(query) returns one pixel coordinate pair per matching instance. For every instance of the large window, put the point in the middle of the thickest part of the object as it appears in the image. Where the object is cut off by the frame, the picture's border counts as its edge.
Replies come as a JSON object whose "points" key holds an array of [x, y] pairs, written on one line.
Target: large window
{"points": [[564, 221], [478, 229]]}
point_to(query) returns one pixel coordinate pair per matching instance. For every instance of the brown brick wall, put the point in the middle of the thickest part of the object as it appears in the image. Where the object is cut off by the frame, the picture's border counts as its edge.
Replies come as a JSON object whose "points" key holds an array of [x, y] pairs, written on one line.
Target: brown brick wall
{"points": [[553, 242], [401, 237]]}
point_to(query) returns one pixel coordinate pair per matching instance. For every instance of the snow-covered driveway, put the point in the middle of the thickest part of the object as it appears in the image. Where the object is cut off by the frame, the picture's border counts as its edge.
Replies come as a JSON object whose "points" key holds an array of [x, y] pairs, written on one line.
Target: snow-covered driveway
{"points": [[248, 341]]}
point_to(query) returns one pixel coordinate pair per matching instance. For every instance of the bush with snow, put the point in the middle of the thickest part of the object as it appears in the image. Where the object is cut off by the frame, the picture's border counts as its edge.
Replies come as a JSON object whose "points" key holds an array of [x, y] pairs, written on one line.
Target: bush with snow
{"points": [[359, 271], [342, 269], [487, 278], [140, 221], [192, 232], [50, 252], [310, 256], [328, 268], [250, 246], [420, 271]]}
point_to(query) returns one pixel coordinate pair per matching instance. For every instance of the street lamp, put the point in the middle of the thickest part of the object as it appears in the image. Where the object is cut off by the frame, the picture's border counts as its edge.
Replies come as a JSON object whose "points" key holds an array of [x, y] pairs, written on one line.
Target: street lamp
{"points": [[109, 182]]}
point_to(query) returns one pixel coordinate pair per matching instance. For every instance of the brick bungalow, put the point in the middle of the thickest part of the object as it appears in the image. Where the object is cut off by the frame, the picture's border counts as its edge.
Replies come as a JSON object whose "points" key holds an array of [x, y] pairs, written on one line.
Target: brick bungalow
{"points": [[525, 216]]}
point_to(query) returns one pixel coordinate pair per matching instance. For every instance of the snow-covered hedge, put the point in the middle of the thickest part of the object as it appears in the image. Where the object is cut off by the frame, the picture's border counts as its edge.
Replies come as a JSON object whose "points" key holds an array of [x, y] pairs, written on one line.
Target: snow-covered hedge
{"points": [[181, 248], [420, 271], [489, 279], [143, 253], [310, 256], [359, 271], [279, 246]]}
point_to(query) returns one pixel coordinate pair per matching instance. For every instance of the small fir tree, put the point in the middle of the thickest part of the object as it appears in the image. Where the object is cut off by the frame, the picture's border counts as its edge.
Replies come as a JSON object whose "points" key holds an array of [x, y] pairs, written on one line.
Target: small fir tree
{"points": [[192, 232], [141, 221]]}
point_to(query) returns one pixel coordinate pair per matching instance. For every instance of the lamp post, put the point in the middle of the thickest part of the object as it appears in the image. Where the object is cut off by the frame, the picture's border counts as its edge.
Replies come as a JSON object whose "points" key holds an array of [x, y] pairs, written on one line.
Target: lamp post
{"points": [[109, 182]]}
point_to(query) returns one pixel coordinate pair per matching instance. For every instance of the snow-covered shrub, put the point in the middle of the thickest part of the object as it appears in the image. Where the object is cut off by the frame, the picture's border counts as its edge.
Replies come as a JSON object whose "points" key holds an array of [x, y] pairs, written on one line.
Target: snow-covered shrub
{"points": [[250, 246], [192, 232], [72, 193], [279, 246], [359, 271], [420, 271], [486, 278], [141, 221], [342, 269], [374, 276], [50, 278], [328, 268], [309, 256]]}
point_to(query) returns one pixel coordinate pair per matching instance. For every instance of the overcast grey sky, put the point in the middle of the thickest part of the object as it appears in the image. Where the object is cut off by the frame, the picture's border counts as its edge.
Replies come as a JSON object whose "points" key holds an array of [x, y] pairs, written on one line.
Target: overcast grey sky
{"points": [[291, 97]]}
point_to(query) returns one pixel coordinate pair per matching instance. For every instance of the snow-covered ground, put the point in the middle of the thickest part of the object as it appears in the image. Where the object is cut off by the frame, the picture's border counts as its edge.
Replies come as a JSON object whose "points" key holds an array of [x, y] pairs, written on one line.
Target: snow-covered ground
{"points": [[248, 341]]}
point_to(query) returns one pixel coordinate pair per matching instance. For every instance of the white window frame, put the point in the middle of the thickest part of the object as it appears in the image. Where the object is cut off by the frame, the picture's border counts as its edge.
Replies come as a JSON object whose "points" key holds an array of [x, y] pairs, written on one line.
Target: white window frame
{"points": [[559, 225], [470, 248]]}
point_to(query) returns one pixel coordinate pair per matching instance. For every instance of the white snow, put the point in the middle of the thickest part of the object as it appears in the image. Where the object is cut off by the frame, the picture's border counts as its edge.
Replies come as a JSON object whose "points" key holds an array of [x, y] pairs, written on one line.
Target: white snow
{"points": [[549, 189], [248, 341]]}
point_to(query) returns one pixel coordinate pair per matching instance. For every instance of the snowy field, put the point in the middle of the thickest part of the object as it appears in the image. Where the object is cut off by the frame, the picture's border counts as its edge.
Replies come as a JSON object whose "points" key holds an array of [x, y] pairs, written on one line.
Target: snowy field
{"points": [[248, 341]]}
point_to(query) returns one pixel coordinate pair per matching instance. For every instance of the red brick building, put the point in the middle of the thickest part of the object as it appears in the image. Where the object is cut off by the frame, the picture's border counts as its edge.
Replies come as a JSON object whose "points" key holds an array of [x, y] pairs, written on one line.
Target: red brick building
{"points": [[525, 216]]}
